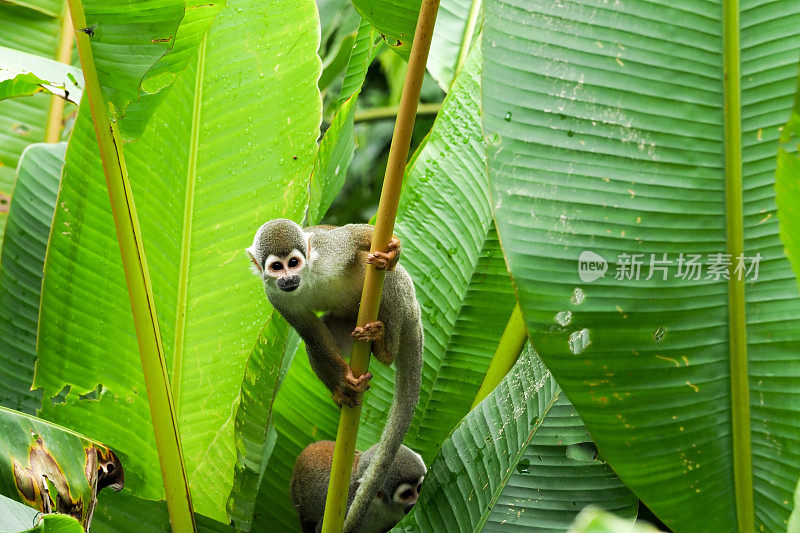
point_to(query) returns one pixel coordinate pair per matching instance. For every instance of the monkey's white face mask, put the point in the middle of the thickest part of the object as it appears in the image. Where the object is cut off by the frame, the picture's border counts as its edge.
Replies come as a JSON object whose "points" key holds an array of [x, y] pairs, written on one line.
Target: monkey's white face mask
{"points": [[388, 509], [283, 272], [279, 271]]}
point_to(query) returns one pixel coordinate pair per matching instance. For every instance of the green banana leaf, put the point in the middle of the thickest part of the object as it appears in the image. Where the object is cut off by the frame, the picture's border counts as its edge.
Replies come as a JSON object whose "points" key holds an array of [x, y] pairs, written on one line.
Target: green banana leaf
{"points": [[303, 412], [23, 74], [56, 524], [787, 186], [126, 48], [122, 511], [339, 25], [594, 520], [134, 87], [22, 261], [395, 21], [208, 170], [337, 146], [787, 190], [505, 467], [551, 483], [255, 432], [50, 8], [606, 137], [33, 27], [457, 24], [5, 203], [26, 84], [336, 63], [794, 518], [16, 517], [53, 469]]}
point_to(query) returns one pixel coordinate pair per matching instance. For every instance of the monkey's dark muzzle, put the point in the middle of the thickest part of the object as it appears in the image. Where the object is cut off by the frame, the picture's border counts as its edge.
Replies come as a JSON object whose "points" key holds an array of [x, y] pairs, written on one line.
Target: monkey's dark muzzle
{"points": [[288, 283]]}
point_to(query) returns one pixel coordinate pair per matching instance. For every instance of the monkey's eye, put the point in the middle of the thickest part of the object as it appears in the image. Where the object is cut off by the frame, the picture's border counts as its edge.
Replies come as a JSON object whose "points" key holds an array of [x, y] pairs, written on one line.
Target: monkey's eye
{"points": [[277, 265], [406, 494], [293, 262]]}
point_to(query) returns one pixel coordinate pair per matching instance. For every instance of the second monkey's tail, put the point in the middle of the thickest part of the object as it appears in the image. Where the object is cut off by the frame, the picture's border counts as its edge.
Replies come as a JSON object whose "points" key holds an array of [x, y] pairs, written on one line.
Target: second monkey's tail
{"points": [[408, 374]]}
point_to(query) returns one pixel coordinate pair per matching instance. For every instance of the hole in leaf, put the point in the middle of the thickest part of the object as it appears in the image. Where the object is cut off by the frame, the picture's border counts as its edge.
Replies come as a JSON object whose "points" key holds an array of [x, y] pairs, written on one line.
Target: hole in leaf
{"points": [[94, 394], [61, 397]]}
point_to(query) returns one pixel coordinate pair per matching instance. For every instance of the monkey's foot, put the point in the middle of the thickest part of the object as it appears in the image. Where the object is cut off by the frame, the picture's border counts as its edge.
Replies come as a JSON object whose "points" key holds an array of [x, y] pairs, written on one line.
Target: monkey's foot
{"points": [[343, 400], [353, 386], [371, 331], [388, 259]]}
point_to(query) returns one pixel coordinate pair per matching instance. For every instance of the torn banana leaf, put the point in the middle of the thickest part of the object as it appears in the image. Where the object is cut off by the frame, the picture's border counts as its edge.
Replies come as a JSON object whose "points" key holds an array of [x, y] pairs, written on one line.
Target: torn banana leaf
{"points": [[23, 74], [53, 469]]}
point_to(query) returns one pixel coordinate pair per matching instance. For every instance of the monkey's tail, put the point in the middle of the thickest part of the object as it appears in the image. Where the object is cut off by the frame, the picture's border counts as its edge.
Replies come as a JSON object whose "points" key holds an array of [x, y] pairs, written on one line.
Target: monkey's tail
{"points": [[406, 394]]}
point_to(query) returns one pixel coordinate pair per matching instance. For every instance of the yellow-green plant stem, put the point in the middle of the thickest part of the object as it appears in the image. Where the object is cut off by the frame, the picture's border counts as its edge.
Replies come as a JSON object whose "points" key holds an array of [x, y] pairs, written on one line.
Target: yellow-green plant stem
{"points": [[63, 55], [740, 391], [339, 485], [381, 113], [165, 424], [469, 32], [186, 238], [508, 349]]}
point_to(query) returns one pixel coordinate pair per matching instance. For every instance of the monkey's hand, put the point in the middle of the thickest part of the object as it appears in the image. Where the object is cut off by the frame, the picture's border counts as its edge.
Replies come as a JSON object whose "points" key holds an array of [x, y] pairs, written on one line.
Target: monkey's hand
{"points": [[374, 332], [351, 388], [388, 259], [371, 331]]}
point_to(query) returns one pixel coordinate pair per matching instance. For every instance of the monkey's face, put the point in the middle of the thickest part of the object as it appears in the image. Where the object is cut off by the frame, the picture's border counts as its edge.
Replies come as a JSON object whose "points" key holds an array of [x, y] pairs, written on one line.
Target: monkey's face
{"points": [[285, 271], [402, 499], [407, 494]]}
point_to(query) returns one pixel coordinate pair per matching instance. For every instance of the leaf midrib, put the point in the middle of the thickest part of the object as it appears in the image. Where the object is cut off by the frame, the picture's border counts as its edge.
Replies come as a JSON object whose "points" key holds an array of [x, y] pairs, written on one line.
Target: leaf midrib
{"points": [[740, 392], [513, 463], [466, 36], [186, 237]]}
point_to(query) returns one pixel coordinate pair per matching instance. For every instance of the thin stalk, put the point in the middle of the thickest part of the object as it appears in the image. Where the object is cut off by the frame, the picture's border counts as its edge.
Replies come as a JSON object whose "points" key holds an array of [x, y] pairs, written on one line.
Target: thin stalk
{"points": [[508, 349], [466, 37], [380, 113], [335, 505], [137, 276], [186, 238], [64, 55], [740, 391]]}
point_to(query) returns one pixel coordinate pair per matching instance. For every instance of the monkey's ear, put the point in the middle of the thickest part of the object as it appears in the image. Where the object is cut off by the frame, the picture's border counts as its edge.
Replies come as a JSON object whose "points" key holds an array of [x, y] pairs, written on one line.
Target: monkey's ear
{"points": [[310, 254], [255, 267]]}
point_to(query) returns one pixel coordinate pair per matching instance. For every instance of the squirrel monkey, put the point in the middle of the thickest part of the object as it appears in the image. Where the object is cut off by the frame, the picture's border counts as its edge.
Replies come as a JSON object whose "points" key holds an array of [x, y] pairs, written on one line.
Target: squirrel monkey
{"points": [[321, 269], [397, 494]]}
